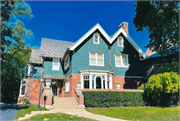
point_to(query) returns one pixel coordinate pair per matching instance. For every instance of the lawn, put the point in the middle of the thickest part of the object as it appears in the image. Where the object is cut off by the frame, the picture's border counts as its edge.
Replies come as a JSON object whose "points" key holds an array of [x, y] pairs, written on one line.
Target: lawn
{"points": [[140, 113], [27, 110], [59, 117]]}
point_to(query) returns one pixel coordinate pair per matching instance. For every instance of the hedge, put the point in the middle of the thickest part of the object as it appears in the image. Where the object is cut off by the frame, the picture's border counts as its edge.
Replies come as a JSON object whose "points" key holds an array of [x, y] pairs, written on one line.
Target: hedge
{"points": [[112, 99]]}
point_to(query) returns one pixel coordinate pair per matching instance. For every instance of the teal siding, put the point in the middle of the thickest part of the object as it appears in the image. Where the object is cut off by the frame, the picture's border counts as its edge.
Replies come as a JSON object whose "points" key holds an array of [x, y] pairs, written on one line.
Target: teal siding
{"points": [[48, 68], [37, 70], [80, 59], [135, 66]]}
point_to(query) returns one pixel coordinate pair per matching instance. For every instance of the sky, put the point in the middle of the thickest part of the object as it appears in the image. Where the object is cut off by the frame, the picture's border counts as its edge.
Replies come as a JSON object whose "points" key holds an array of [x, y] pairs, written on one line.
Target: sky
{"points": [[70, 20]]}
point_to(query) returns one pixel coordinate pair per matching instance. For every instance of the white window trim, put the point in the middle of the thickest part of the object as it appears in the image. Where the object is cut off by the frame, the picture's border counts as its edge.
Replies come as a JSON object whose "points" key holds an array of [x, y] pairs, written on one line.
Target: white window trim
{"points": [[120, 39], [94, 38], [68, 62], [20, 90], [53, 64], [67, 86], [95, 58], [121, 60]]}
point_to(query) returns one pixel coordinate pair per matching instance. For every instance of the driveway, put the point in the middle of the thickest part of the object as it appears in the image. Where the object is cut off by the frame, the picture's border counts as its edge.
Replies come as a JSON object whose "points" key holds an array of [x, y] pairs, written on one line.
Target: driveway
{"points": [[9, 111]]}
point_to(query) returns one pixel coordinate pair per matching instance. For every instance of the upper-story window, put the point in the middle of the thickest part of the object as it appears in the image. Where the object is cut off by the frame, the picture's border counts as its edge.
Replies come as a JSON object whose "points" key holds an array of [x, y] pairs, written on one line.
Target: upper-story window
{"points": [[30, 69], [120, 42], [96, 39], [55, 64], [66, 62], [121, 60], [96, 58], [22, 87]]}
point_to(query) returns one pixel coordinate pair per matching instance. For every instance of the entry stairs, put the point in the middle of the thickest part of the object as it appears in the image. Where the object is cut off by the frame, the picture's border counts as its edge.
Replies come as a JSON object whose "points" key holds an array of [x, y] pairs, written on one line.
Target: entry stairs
{"points": [[65, 103]]}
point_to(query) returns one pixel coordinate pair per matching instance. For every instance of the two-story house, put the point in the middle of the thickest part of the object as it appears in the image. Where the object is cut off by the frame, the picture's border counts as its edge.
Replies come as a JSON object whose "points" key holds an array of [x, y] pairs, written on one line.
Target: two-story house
{"points": [[96, 59]]}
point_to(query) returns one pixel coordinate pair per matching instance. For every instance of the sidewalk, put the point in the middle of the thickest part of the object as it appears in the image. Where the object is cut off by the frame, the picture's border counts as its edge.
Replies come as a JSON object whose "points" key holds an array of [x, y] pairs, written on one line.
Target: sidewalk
{"points": [[78, 112]]}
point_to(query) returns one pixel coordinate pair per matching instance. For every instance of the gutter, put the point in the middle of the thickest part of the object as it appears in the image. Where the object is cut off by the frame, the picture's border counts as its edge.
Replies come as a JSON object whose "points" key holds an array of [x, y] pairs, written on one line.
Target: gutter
{"points": [[109, 48]]}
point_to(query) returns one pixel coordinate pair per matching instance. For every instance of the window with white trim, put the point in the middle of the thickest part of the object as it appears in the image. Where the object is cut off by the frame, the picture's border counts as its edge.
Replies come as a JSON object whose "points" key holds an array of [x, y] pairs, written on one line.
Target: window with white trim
{"points": [[66, 62], [96, 39], [96, 58], [67, 85], [30, 69], [55, 64], [121, 60], [86, 81], [120, 42], [23, 87]]}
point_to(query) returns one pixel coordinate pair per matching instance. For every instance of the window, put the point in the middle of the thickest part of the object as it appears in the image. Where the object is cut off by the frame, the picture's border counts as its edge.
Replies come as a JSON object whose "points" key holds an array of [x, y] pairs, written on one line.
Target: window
{"points": [[23, 87], [66, 62], [121, 60], [30, 70], [67, 86], [55, 64], [96, 58], [86, 81], [96, 39], [120, 42]]}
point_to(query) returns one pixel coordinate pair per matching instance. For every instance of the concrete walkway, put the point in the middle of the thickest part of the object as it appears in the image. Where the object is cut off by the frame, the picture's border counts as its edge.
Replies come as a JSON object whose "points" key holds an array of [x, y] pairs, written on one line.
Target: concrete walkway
{"points": [[78, 112]]}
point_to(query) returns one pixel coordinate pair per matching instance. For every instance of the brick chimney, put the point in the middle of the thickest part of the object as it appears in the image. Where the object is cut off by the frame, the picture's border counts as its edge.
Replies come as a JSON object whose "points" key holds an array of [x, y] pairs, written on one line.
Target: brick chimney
{"points": [[124, 25]]}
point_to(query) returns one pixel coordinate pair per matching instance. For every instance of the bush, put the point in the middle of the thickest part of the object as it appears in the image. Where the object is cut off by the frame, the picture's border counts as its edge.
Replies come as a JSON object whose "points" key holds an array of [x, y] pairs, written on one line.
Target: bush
{"points": [[162, 89], [141, 87], [26, 101], [171, 67], [112, 99]]}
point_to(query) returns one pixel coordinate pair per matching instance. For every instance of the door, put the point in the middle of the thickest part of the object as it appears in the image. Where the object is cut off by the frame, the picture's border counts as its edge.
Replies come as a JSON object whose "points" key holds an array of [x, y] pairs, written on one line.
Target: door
{"points": [[54, 87]]}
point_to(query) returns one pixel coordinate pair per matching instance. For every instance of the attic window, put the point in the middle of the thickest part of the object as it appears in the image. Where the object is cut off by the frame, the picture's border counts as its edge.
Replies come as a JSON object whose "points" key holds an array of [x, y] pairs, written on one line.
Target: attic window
{"points": [[96, 39], [66, 62], [120, 41], [55, 64]]}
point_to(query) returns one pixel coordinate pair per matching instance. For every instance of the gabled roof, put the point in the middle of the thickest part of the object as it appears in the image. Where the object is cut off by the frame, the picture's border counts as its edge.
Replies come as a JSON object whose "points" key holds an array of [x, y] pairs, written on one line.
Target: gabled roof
{"points": [[34, 58], [53, 48], [109, 39]]}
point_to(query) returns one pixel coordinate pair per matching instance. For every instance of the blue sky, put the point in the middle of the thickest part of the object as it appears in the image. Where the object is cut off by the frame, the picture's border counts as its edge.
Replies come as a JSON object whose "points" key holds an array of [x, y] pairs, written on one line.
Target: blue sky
{"points": [[70, 20]]}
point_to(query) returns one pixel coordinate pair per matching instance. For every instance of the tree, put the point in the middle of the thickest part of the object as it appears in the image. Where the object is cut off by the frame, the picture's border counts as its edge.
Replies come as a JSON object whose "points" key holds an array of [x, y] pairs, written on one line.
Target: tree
{"points": [[14, 52], [161, 19]]}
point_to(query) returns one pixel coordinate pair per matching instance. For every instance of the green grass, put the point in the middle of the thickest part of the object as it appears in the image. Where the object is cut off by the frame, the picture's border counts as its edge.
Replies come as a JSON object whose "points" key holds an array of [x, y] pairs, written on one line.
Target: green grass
{"points": [[59, 117], [139, 113], [27, 110]]}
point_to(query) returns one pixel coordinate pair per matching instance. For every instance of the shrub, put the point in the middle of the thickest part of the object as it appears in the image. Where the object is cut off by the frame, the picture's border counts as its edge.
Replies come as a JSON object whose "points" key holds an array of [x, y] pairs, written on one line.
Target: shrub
{"points": [[112, 99], [162, 89], [171, 67], [141, 87], [26, 101]]}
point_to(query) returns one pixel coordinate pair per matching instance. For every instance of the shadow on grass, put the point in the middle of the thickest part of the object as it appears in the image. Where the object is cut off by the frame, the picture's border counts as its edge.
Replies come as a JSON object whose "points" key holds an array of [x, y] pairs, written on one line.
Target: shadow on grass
{"points": [[12, 106]]}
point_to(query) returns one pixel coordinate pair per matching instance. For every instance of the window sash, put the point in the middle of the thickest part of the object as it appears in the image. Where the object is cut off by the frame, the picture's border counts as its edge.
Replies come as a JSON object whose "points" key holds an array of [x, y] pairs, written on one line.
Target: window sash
{"points": [[55, 64], [120, 42], [96, 39], [121, 60], [96, 58], [66, 63]]}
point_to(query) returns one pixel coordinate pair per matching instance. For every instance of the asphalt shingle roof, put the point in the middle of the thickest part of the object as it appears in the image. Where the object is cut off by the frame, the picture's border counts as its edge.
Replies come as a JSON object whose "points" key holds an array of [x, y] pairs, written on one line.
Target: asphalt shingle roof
{"points": [[53, 48], [35, 56]]}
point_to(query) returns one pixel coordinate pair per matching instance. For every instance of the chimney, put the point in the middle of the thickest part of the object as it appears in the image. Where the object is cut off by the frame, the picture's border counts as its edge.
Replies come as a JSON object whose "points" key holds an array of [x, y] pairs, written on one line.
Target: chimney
{"points": [[124, 25]]}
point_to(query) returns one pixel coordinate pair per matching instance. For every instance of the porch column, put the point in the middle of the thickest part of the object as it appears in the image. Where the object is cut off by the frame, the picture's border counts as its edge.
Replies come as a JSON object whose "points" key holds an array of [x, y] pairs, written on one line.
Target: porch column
{"points": [[90, 80], [106, 82], [94, 82], [82, 82]]}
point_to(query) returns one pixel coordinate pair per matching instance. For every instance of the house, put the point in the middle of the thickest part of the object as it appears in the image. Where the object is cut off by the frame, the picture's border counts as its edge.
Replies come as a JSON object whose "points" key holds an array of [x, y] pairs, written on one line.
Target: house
{"points": [[154, 62], [97, 60]]}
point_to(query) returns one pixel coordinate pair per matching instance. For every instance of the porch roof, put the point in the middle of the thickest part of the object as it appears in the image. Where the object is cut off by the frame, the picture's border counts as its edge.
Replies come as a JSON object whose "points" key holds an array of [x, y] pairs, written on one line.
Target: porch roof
{"points": [[53, 77]]}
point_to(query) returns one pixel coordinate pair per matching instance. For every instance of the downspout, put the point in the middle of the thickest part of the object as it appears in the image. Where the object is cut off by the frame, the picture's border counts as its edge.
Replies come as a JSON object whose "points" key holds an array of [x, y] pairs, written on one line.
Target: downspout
{"points": [[109, 48]]}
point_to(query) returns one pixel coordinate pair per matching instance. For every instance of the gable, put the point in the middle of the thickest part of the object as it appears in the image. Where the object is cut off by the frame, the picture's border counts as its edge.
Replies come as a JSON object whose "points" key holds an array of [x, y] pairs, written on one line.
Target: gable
{"points": [[108, 38]]}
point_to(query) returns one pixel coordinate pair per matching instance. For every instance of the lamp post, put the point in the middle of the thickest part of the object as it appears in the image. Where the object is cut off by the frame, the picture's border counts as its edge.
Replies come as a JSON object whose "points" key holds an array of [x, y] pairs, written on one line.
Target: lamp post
{"points": [[41, 80]]}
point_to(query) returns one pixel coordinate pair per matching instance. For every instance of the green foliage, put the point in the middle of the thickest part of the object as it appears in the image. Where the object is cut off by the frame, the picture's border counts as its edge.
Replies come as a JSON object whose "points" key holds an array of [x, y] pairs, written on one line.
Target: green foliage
{"points": [[162, 89], [14, 51], [161, 19], [168, 67], [112, 99], [141, 87], [26, 101]]}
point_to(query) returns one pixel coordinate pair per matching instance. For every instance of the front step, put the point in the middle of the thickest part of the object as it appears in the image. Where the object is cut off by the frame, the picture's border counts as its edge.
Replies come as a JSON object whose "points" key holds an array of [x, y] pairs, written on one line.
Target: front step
{"points": [[65, 103]]}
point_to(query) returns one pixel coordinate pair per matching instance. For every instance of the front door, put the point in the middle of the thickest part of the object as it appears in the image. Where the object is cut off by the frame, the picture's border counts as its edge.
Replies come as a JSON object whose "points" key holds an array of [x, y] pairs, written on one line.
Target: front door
{"points": [[54, 87]]}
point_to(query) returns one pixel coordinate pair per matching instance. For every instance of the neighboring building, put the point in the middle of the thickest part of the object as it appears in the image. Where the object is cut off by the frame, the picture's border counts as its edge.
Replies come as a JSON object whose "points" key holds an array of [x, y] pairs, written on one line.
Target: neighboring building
{"points": [[155, 62], [96, 59]]}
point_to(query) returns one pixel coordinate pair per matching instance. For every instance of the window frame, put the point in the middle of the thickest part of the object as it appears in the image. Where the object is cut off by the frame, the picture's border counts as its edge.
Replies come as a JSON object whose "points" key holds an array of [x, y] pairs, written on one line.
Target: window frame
{"points": [[96, 58], [94, 42], [20, 92], [54, 63], [119, 43], [66, 62], [67, 85], [121, 60]]}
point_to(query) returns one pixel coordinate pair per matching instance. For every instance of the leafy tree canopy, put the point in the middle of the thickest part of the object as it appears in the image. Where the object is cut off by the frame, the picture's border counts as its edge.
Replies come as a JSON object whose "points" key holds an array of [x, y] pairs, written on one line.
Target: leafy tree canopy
{"points": [[161, 19]]}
